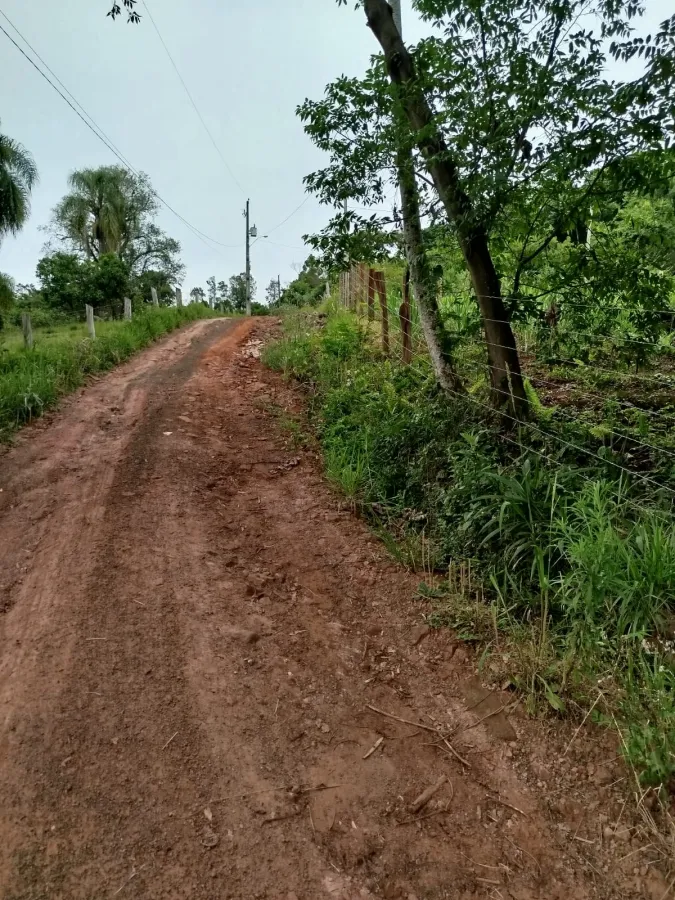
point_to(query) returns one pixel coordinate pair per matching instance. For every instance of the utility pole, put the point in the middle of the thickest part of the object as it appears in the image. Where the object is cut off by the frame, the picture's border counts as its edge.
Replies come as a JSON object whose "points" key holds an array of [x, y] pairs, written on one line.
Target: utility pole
{"points": [[248, 261], [278, 288]]}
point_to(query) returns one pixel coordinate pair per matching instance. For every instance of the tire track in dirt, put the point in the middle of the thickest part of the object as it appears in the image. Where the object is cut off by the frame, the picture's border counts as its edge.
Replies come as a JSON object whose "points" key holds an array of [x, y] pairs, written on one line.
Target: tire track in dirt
{"points": [[188, 658]]}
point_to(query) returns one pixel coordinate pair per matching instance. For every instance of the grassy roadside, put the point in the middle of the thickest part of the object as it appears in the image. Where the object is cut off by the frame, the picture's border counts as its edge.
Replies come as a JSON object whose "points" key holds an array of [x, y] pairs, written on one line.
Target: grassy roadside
{"points": [[63, 357], [560, 569]]}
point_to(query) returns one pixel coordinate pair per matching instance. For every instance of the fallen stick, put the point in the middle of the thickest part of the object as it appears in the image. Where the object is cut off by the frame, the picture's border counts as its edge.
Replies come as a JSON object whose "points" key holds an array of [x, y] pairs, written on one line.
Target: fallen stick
{"points": [[456, 754], [436, 812], [435, 731], [277, 790], [169, 741], [476, 724], [381, 712], [509, 805], [426, 795], [378, 743], [281, 818]]}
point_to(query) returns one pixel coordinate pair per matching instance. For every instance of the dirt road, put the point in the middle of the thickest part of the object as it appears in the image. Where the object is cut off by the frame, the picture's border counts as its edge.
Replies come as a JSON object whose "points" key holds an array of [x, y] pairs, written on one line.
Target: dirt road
{"points": [[191, 633]]}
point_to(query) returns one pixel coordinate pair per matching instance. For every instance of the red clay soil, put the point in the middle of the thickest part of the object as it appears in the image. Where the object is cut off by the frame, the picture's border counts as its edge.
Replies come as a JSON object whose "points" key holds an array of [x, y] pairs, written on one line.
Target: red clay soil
{"points": [[193, 633]]}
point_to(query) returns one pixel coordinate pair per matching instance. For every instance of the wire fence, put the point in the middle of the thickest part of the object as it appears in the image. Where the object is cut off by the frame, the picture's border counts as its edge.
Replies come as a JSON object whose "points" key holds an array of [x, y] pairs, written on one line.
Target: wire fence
{"points": [[363, 291]]}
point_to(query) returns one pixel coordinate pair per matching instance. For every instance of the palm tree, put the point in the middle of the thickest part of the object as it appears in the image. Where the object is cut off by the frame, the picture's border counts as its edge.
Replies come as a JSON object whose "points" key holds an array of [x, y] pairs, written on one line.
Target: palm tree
{"points": [[18, 174], [102, 212]]}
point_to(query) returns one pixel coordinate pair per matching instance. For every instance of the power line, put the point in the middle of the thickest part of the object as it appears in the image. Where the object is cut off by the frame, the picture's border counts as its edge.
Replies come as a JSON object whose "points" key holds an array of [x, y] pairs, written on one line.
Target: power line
{"points": [[191, 99], [116, 149], [287, 246], [290, 216], [96, 129]]}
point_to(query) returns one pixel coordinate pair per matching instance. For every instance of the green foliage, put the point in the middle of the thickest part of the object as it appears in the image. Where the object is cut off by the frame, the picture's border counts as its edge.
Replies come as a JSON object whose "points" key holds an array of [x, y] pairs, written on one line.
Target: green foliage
{"points": [[7, 296], [235, 293], [648, 710], [67, 282], [33, 380], [18, 176], [141, 288], [539, 143], [308, 289], [197, 295]]}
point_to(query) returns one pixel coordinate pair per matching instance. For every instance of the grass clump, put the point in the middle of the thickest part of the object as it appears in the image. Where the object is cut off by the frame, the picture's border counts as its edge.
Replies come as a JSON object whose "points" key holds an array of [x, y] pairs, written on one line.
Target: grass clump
{"points": [[63, 357], [554, 561]]}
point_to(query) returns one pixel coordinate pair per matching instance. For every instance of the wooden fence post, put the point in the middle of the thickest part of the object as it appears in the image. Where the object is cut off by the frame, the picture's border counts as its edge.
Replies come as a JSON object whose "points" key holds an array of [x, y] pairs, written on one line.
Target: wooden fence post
{"points": [[27, 330], [179, 298], [155, 298], [365, 286], [372, 277], [89, 310], [404, 315], [381, 286], [127, 309]]}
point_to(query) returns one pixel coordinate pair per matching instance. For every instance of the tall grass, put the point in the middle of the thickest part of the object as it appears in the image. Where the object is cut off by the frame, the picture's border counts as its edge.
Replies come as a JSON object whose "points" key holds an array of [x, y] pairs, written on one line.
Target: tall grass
{"points": [[63, 358], [579, 577]]}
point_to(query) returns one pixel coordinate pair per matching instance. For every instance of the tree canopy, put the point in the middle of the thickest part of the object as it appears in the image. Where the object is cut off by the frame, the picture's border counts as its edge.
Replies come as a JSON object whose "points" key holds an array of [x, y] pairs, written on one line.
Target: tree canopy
{"points": [[111, 210], [67, 282], [18, 175], [308, 289], [515, 134]]}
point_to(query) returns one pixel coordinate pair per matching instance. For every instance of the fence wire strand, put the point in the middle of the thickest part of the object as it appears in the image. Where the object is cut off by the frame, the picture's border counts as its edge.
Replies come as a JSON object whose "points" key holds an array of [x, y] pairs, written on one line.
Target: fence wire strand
{"points": [[354, 293]]}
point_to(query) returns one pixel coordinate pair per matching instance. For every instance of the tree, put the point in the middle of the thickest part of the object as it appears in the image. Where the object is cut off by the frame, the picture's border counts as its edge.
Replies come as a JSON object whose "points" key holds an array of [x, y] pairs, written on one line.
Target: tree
{"points": [[7, 296], [237, 291], [62, 282], [68, 282], [271, 292], [308, 289], [141, 288], [512, 116], [154, 250], [107, 282], [18, 175], [111, 210], [213, 291], [197, 295]]}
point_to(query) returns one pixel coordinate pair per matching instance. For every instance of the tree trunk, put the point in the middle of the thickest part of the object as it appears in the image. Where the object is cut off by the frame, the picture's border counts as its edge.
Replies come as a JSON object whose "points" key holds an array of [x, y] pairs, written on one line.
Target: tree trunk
{"points": [[506, 379], [422, 279]]}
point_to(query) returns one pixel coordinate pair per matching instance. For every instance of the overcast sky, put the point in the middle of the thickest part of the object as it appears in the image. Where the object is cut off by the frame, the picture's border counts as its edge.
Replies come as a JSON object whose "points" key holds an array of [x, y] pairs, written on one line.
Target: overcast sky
{"points": [[248, 65]]}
